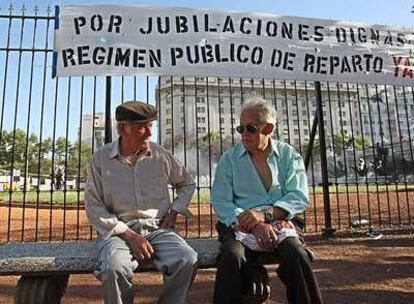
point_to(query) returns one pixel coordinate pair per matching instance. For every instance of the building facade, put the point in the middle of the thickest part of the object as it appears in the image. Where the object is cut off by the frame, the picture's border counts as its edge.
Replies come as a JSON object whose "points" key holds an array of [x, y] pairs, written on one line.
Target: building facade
{"points": [[197, 106]]}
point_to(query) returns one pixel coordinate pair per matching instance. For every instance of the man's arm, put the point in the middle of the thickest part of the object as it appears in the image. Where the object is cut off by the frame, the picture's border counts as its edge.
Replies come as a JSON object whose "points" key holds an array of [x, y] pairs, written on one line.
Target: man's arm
{"points": [[184, 186], [222, 198], [295, 186]]}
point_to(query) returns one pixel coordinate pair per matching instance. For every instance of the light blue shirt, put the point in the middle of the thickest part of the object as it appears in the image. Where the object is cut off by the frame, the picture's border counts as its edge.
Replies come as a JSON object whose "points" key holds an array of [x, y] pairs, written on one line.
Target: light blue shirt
{"points": [[237, 185]]}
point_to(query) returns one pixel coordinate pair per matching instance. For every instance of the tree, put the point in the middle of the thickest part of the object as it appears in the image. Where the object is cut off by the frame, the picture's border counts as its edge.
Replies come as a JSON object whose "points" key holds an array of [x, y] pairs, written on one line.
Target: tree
{"points": [[345, 141], [316, 149], [78, 167], [60, 151], [13, 149]]}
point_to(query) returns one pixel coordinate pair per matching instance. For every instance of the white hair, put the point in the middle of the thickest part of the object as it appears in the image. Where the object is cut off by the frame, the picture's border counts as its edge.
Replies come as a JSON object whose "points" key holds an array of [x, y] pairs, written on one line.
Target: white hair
{"points": [[267, 113]]}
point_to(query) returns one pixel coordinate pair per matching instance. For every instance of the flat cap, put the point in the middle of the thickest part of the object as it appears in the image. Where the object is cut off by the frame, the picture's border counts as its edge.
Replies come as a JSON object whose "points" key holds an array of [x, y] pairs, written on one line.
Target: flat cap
{"points": [[136, 111]]}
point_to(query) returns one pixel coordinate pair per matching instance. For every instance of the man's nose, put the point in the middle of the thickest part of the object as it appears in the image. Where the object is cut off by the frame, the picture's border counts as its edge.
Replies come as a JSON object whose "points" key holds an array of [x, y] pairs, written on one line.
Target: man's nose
{"points": [[148, 130]]}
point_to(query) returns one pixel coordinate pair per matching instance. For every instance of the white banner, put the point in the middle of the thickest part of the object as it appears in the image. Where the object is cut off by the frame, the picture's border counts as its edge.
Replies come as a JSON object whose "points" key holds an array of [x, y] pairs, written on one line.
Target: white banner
{"points": [[128, 40]]}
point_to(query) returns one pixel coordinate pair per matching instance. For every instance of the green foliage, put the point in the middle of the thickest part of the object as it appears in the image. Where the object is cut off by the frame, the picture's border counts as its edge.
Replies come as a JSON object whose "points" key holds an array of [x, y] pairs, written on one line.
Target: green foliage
{"points": [[340, 142], [78, 161], [34, 157], [343, 141], [211, 137], [316, 149]]}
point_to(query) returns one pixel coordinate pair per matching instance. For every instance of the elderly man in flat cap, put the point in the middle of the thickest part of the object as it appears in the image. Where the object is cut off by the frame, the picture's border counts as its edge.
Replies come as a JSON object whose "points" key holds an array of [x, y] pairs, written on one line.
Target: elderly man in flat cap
{"points": [[127, 201]]}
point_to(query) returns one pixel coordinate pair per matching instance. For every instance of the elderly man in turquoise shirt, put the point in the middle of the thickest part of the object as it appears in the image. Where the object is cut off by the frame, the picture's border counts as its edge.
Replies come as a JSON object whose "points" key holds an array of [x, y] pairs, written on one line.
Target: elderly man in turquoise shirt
{"points": [[257, 184]]}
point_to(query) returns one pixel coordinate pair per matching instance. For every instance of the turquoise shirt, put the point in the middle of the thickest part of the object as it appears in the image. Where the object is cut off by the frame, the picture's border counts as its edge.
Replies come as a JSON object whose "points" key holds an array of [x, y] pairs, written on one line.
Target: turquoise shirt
{"points": [[238, 187]]}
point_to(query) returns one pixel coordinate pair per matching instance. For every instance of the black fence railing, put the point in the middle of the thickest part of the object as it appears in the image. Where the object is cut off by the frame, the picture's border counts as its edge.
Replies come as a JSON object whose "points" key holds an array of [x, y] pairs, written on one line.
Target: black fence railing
{"points": [[49, 128]]}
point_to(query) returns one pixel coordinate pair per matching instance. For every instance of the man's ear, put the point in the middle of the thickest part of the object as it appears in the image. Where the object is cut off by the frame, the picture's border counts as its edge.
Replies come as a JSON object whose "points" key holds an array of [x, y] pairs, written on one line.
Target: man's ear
{"points": [[268, 129]]}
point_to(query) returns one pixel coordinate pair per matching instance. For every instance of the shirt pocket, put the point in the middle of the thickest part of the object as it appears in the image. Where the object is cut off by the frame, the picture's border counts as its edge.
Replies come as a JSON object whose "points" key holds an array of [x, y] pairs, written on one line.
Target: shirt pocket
{"points": [[154, 186]]}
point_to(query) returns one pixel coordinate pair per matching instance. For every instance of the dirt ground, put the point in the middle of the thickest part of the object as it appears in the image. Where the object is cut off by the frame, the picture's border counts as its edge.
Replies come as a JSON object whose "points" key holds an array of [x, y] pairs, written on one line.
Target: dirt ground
{"points": [[351, 267]]}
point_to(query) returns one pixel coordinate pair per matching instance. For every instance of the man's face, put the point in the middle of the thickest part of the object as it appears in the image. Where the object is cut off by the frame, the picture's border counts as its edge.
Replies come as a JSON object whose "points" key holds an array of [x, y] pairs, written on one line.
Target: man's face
{"points": [[139, 132], [249, 121]]}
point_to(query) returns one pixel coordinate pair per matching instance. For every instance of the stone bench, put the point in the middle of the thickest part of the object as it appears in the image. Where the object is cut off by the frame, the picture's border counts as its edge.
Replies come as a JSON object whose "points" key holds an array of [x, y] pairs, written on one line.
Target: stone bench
{"points": [[45, 267]]}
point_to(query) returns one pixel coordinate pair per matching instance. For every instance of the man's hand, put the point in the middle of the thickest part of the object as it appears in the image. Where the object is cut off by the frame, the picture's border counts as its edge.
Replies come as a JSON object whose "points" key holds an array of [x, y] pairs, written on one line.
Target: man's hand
{"points": [[141, 248], [250, 218], [168, 222], [265, 235]]}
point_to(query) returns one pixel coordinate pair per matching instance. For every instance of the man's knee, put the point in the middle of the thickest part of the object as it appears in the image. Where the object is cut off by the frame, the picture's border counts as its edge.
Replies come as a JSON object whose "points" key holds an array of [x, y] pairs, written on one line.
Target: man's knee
{"points": [[184, 261], [117, 265], [232, 253], [291, 250], [189, 256]]}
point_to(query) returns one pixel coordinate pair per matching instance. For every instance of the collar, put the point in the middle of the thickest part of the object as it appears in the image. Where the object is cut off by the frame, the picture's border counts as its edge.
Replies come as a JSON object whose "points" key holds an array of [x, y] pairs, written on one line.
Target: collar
{"points": [[114, 148], [115, 151], [273, 144]]}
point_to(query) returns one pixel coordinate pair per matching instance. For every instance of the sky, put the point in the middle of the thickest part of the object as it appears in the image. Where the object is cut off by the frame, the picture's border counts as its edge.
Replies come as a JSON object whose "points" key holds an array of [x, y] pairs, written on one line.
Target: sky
{"points": [[382, 12]]}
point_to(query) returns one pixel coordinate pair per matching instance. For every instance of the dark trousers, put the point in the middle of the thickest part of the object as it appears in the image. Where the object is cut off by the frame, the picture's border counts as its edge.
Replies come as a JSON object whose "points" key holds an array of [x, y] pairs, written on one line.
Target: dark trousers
{"points": [[294, 270]]}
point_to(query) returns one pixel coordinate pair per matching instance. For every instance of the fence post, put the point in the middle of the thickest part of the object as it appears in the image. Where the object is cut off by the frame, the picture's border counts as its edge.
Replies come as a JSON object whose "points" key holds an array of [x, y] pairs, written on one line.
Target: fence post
{"points": [[311, 143], [328, 230], [108, 120]]}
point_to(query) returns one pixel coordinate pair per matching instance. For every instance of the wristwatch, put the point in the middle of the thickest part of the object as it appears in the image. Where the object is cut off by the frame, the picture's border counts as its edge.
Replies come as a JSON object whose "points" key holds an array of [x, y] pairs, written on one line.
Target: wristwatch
{"points": [[268, 215]]}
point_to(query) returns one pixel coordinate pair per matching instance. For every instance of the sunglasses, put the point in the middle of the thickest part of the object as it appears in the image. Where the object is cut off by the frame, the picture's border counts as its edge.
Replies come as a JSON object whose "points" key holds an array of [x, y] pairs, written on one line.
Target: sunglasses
{"points": [[249, 128]]}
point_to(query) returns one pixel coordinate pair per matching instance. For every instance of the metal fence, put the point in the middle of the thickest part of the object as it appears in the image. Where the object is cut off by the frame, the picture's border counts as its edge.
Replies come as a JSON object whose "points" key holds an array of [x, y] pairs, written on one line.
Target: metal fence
{"points": [[360, 175]]}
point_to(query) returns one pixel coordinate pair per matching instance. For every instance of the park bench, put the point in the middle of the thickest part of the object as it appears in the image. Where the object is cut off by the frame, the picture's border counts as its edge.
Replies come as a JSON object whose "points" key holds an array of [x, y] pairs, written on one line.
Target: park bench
{"points": [[45, 267]]}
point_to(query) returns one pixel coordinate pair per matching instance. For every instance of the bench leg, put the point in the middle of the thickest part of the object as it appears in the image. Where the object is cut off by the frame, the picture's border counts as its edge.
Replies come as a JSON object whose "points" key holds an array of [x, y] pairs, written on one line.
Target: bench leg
{"points": [[40, 289]]}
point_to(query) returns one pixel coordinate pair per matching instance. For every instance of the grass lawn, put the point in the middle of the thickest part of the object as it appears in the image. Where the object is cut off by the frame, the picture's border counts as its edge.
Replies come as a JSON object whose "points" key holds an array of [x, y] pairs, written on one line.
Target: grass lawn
{"points": [[203, 195]]}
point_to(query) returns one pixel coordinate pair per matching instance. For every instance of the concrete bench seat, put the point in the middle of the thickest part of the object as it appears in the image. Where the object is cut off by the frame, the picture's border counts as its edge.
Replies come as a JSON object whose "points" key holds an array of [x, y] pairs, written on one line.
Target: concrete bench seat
{"points": [[75, 257], [45, 266]]}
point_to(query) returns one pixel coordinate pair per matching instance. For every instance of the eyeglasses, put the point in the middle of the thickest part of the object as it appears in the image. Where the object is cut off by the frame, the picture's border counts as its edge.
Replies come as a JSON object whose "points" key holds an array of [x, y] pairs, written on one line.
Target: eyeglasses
{"points": [[249, 128]]}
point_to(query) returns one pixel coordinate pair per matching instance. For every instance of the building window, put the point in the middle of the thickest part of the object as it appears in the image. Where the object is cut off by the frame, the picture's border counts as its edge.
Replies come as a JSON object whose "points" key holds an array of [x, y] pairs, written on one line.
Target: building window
{"points": [[201, 109], [201, 99], [201, 130], [201, 119]]}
